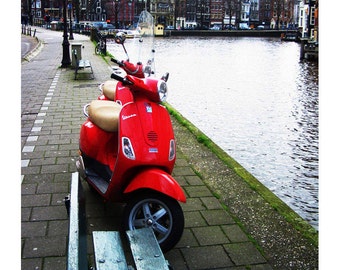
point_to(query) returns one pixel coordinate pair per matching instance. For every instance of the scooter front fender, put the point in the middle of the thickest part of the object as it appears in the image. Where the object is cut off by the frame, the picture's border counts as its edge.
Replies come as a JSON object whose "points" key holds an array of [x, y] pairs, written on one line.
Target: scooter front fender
{"points": [[158, 180]]}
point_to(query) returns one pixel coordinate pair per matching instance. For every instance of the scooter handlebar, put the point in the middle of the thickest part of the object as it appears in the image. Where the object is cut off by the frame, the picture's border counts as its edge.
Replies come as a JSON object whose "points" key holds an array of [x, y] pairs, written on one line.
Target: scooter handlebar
{"points": [[119, 63], [130, 68], [125, 80]]}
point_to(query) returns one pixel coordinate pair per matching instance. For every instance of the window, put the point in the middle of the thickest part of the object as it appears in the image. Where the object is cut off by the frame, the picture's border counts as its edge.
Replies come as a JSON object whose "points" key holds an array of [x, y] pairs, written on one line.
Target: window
{"points": [[312, 16]]}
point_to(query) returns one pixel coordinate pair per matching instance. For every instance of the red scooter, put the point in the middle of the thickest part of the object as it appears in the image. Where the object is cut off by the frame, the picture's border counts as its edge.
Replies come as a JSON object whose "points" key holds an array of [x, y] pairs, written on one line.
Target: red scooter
{"points": [[127, 150]]}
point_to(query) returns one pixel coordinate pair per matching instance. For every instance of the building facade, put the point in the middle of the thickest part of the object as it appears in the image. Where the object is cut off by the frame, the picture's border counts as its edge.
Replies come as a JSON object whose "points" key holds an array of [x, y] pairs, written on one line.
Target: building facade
{"points": [[189, 14]]}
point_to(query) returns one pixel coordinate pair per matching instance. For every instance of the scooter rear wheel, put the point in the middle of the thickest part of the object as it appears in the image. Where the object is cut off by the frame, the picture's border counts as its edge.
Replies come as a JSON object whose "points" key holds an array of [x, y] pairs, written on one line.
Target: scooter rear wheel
{"points": [[162, 213]]}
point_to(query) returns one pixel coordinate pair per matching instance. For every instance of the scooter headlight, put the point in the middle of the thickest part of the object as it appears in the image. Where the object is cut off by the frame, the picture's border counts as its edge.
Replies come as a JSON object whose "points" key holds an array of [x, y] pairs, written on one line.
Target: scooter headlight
{"points": [[162, 90], [127, 148], [172, 150]]}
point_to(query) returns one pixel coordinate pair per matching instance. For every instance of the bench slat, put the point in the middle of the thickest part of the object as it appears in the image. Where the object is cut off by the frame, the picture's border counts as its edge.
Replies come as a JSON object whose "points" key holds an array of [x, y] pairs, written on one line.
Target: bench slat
{"points": [[84, 63], [145, 250], [109, 254]]}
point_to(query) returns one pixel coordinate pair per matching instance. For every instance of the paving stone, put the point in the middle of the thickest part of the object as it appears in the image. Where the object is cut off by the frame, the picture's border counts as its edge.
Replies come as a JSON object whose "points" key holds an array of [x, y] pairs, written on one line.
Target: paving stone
{"points": [[211, 203], [53, 187], [39, 247], [31, 264], [38, 178], [181, 162], [211, 235], [58, 227], [187, 240], [173, 258], [193, 204], [55, 263], [32, 229], [181, 180], [183, 171], [28, 189], [43, 161], [58, 199], [198, 191], [217, 217], [206, 258], [234, 233], [194, 180], [36, 200], [25, 214], [54, 168], [194, 219], [48, 213], [31, 170], [244, 253]]}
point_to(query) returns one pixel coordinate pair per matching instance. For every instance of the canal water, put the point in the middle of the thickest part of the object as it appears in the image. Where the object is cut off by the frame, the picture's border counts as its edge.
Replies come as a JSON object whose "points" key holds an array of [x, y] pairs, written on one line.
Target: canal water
{"points": [[256, 100]]}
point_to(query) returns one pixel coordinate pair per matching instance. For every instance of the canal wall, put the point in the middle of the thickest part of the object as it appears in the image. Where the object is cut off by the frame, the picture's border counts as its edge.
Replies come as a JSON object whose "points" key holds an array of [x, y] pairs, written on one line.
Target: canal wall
{"points": [[236, 169], [225, 33], [283, 235]]}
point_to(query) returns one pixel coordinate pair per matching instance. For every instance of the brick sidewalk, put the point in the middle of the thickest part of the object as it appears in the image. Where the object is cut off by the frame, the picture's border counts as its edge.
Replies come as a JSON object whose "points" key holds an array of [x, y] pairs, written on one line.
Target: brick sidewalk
{"points": [[52, 103]]}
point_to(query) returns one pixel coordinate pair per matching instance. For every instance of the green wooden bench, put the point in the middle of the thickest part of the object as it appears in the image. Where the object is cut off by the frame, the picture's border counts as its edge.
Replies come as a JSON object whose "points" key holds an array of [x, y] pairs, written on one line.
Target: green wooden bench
{"points": [[108, 248]]}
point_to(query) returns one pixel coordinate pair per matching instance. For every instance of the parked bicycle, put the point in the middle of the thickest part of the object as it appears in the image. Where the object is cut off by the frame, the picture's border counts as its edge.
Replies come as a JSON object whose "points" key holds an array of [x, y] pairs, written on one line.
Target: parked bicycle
{"points": [[100, 47]]}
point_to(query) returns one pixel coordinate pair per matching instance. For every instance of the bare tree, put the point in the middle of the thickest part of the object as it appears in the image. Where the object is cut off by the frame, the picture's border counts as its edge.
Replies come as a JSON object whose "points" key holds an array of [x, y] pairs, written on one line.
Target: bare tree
{"points": [[230, 8]]}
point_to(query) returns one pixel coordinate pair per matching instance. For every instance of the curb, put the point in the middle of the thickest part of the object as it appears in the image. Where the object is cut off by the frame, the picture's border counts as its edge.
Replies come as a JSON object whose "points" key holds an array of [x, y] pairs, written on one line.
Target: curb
{"points": [[30, 55]]}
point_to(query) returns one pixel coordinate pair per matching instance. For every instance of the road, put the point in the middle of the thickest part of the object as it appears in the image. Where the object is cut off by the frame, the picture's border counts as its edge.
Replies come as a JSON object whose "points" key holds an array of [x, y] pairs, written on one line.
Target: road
{"points": [[28, 43]]}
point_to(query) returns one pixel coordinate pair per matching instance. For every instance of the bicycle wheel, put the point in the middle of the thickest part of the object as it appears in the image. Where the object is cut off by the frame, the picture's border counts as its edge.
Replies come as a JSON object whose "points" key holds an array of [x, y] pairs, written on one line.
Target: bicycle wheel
{"points": [[97, 49]]}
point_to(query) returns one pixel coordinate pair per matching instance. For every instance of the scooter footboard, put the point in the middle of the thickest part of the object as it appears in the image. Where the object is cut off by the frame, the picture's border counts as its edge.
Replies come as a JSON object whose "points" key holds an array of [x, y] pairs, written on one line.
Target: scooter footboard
{"points": [[156, 179]]}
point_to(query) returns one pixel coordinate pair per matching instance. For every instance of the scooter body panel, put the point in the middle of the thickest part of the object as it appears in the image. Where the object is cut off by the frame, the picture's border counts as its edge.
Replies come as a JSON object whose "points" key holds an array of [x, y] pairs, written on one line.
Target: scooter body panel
{"points": [[145, 135], [148, 127], [98, 144], [158, 180], [122, 96]]}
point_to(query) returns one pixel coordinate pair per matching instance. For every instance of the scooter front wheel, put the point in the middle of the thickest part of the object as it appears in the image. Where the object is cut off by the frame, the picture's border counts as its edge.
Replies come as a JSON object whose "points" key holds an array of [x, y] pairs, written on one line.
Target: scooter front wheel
{"points": [[162, 213]]}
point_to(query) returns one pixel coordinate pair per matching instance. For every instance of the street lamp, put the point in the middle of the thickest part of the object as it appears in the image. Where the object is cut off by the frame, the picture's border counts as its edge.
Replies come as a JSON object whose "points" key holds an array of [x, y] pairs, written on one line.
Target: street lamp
{"points": [[116, 10], [71, 30], [130, 4], [66, 61]]}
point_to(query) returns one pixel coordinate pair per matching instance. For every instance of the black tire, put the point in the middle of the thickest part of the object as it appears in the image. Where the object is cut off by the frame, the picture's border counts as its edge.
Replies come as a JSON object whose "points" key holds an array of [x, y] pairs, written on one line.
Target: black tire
{"points": [[162, 213], [97, 49]]}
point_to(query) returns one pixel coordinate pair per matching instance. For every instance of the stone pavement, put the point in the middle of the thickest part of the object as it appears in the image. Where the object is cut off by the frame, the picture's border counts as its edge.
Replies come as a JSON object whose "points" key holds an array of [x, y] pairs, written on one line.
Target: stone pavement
{"points": [[52, 103]]}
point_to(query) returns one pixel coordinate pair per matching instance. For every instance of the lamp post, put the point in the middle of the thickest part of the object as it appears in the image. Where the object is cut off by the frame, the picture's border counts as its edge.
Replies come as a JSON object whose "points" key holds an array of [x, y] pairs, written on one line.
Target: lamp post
{"points": [[116, 5], [66, 61], [130, 4], [71, 30]]}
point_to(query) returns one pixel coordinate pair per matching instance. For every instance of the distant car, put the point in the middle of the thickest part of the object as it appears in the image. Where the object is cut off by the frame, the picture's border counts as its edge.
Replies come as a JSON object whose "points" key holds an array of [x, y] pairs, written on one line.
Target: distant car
{"points": [[260, 27], [230, 27], [170, 27], [243, 26], [215, 27], [109, 26], [98, 25]]}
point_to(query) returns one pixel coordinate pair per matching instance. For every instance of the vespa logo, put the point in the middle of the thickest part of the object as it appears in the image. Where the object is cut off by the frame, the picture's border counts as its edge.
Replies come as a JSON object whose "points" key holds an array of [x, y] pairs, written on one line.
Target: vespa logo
{"points": [[124, 117]]}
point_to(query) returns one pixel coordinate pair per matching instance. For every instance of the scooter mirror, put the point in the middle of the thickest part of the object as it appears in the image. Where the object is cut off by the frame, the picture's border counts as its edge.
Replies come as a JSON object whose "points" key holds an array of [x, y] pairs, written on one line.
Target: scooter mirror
{"points": [[120, 38]]}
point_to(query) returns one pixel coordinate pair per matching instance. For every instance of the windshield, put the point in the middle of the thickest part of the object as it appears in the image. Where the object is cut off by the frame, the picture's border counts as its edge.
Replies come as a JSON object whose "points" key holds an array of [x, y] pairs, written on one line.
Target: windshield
{"points": [[139, 44]]}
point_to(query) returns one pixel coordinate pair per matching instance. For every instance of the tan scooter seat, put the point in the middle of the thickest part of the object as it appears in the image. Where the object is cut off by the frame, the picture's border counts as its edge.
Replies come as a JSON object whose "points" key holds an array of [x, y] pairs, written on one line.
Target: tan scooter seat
{"points": [[105, 114], [108, 89]]}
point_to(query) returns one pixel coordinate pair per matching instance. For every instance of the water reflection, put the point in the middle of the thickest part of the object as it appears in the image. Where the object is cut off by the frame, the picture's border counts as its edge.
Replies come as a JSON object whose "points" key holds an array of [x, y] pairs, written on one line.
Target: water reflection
{"points": [[257, 101]]}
